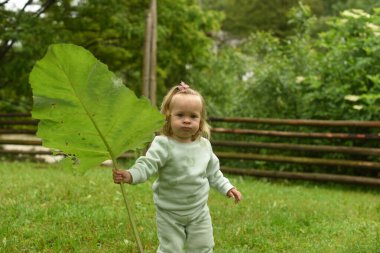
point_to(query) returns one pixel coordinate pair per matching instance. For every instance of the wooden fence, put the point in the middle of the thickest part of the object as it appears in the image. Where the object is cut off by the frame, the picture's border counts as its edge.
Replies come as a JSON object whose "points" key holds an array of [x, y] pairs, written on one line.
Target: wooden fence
{"points": [[319, 150], [339, 151]]}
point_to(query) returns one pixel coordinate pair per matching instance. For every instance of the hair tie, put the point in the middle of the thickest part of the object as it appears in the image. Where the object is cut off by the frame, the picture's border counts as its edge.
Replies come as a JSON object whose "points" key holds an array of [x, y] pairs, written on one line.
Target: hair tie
{"points": [[182, 86]]}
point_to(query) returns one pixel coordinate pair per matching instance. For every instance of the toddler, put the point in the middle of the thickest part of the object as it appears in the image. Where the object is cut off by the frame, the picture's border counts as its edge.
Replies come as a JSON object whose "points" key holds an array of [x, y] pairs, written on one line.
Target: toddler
{"points": [[187, 167]]}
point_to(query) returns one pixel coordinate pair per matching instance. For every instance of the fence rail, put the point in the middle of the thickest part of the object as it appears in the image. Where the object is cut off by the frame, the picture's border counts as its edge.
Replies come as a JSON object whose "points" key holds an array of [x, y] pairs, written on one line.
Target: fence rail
{"points": [[300, 147], [299, 122], [245, 146], [345, 154]]}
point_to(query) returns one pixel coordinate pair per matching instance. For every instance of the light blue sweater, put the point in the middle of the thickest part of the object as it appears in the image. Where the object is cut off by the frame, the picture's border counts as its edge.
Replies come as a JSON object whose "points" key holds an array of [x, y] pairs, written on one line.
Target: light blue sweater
{"points": [[185, 173]]}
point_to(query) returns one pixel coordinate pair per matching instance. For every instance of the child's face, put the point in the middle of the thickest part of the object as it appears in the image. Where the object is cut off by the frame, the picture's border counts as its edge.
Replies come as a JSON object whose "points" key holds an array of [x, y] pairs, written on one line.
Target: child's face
{"points": [[185, 116]]}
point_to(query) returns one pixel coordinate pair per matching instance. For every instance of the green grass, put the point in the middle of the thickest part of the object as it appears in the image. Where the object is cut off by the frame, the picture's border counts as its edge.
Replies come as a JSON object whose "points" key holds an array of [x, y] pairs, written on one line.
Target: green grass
{"points": [[44, 208]]}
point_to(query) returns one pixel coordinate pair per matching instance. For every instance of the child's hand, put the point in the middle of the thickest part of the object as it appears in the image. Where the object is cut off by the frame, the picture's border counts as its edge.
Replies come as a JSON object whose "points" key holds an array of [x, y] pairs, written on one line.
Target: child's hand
{"points": [[120, 176], [235, 194]]}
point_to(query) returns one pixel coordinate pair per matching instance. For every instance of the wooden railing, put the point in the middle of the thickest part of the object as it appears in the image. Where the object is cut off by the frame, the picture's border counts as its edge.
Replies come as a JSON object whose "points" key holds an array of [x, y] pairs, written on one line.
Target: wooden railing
{"points": [[321, 150], [339, 151]]}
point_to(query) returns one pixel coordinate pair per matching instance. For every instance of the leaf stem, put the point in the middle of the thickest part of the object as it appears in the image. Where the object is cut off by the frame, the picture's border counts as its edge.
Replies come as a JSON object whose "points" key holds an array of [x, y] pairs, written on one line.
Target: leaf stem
{"points": [[130, 213], [131, 219]]}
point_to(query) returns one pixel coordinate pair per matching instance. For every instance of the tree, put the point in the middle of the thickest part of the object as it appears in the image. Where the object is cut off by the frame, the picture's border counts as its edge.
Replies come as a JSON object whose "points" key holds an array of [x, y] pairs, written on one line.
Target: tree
{"points": [[23, 36], [113, 31], [244, 17]]}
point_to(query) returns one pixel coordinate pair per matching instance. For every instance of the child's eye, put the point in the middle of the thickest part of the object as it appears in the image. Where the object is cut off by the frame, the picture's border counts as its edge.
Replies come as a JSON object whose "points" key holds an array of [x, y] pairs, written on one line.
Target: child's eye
{"points": [[194, 116], [179, 115]]}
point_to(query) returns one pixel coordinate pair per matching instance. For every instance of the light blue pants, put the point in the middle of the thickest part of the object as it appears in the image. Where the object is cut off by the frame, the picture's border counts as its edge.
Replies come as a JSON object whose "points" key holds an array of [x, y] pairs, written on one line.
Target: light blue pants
{"points": [[178, 234]]}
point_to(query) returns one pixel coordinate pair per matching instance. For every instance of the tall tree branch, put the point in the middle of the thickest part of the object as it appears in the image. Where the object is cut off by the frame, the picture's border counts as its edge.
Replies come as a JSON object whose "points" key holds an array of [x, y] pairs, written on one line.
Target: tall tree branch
{"points": [[4, 3], [44, 7], [25, 5], [6, 45]]}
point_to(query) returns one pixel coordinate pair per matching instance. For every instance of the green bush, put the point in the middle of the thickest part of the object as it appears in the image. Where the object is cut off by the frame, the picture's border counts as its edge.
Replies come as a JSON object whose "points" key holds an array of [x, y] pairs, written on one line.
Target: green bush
{"points": [[332, 73]]}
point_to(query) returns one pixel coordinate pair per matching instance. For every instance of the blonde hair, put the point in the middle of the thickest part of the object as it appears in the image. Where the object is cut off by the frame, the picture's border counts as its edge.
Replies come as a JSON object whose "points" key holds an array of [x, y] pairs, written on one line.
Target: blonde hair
{"points": [[204, 127]]}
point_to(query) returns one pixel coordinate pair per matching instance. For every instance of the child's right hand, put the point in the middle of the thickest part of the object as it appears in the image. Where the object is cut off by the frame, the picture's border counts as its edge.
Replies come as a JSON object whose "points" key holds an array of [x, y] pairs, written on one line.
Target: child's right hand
{"points": [[121, 176]]}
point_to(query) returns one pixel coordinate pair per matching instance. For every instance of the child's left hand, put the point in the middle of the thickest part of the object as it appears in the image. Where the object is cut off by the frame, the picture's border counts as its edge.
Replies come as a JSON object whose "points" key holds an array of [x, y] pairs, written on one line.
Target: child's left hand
{"points": [[235, 194]]}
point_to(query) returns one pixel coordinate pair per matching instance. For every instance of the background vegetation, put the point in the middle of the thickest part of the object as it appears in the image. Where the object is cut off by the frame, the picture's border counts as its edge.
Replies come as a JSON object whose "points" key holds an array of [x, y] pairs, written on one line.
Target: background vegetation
{"points": [[285, 59], [47, 209]]}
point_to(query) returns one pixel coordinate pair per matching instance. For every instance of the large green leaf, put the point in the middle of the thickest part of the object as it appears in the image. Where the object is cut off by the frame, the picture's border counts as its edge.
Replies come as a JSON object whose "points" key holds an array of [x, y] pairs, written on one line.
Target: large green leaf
{"points": [[84, 110]]}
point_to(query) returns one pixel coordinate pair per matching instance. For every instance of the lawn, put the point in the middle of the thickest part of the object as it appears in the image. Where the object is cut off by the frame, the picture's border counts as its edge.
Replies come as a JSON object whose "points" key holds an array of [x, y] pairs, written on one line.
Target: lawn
{"points": [[45, 208]]}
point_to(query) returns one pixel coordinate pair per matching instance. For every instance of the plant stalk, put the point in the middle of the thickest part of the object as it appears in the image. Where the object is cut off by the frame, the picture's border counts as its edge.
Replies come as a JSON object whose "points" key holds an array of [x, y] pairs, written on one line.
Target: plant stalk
{"points": [[131, 219], [129, 210]]}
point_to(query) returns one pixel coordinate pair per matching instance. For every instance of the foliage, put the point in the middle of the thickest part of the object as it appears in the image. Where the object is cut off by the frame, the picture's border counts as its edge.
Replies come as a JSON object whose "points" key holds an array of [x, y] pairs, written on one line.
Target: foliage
{"points": [[330, 75], [184, 36], [350, 66], [114, 32], [220, 83], [338, 6], [244, 17], [84, 109], [54, 211], [247, 16], [118, 39], [24, 36]]}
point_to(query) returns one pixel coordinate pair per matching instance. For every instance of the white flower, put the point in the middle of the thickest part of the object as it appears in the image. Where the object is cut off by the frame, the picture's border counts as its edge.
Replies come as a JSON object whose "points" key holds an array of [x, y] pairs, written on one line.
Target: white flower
{"points": [[375, 28], [352, 98], [300, 79], [358, 107], [247, 76], [355, 13], [343, 21]]}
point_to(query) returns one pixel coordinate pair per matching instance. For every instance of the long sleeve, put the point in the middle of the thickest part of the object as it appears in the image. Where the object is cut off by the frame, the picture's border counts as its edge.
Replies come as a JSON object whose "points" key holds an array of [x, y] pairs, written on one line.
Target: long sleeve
{"points": [[148, 165], [185, 173], [215, 176]]}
